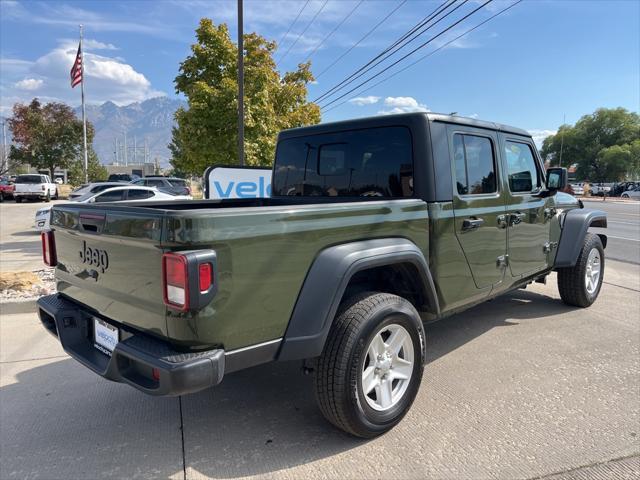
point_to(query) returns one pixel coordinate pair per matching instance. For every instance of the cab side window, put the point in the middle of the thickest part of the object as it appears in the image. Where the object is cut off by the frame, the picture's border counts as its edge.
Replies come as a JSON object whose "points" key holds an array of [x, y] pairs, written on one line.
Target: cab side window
{"points": [[475, 164], [524, 175]]}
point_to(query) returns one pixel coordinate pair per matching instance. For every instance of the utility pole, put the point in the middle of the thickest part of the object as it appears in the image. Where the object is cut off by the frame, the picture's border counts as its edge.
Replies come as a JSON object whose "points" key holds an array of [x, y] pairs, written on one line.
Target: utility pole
{"points": [[115, 151], [240, 85]]}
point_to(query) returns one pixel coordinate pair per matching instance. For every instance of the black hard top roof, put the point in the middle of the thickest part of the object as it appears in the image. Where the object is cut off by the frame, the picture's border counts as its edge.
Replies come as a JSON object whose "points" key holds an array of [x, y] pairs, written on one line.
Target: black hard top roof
{"points": [[402, 118]]}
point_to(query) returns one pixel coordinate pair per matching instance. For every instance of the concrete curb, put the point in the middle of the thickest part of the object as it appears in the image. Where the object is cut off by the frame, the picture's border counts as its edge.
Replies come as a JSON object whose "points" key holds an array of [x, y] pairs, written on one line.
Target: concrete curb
{"points": [[13, 308]]}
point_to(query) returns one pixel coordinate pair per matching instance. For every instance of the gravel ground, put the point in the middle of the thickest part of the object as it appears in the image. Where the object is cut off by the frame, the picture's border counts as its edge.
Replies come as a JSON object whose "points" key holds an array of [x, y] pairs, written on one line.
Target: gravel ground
{"points": [[46, 286]]}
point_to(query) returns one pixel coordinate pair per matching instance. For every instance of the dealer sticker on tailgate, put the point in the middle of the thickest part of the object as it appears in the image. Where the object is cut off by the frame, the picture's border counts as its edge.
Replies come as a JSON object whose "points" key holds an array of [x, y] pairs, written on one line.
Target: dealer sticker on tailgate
{"points": [[105, 336]]}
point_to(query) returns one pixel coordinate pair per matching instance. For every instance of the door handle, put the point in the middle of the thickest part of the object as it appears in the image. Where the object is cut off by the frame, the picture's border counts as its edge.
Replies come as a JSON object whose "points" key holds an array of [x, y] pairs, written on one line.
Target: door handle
{"points": [[471, 224]]}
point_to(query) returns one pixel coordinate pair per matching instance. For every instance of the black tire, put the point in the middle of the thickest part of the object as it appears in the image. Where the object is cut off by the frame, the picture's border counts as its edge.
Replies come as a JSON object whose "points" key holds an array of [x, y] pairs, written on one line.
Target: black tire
{"points": [[338, 375], [55, 195], [18, 199], [1, 198], [571, 281], [47, 197]]}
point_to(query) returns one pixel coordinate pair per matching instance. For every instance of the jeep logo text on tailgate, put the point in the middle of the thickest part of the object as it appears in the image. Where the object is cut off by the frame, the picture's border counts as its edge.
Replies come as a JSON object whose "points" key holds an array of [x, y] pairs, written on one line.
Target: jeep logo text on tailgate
{"points": [[94, 256]]}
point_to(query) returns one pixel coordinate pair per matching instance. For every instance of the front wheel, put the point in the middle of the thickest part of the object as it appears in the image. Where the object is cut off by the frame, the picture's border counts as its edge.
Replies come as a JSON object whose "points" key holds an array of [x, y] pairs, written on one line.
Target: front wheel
{"points": [[580, 285], [371, 367]]}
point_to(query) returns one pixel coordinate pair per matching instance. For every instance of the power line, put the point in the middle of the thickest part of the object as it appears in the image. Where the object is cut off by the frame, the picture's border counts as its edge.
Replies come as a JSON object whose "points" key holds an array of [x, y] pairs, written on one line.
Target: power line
{"points": [[364, 37], [293, 23], [334, 30], [303, 31], [424, 57], [398, 44], [408, 54]]}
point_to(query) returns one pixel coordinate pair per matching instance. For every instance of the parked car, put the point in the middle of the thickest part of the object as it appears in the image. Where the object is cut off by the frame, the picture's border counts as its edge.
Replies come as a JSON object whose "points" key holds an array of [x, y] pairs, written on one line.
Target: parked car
{"points": [[600, 189], [34, 186], [178, 186], [619, 188], [113, 194], [373, 227], [578, 189], [633, 193], [122, 177], [96, 187], [6, 189]]}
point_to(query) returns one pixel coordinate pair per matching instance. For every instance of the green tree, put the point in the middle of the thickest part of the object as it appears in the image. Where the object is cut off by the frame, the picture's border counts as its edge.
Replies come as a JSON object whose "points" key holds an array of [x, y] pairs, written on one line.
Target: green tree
{"points": [[589, 144], [206, 132], [46, 136], [97, 172]]}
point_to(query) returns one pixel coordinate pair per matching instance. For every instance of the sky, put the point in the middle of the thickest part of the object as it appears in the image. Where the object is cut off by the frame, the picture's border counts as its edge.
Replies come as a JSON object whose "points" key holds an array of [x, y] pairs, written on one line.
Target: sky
{"points": [[532, 66]]}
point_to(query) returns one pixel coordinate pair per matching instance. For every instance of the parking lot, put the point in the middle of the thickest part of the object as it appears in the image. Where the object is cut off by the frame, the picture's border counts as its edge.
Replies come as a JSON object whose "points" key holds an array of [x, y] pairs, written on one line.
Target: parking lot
{"points": [[519, 387]]}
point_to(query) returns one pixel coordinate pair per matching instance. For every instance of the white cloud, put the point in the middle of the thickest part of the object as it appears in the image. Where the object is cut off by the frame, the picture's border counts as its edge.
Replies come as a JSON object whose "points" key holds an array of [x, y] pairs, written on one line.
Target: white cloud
{"points": [[361, 101], [106, 78], [402, 105], [29, 84], [539, 135]]}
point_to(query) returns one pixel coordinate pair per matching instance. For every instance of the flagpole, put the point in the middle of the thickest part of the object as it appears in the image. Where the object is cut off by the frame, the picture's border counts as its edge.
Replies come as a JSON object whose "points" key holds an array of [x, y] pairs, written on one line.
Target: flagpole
{"points": [[84, 116]]}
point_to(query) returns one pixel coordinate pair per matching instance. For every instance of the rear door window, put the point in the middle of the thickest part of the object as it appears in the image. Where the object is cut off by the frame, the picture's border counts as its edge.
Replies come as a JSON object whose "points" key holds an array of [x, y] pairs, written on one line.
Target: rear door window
{"points": [[139, 194], [110, 196], [375, 162], [475, 165]]}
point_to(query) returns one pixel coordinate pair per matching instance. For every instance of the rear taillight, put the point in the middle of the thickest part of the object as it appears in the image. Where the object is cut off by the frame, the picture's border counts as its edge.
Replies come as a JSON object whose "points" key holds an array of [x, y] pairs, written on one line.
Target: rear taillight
{"points": [[188, 190], [175, 273], [49, 249], [188, 279], [44, 188]]}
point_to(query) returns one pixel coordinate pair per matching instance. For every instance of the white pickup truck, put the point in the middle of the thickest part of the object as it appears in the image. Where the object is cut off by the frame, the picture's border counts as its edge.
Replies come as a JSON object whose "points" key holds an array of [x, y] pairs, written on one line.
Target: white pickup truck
{"points": [[36, 186]]}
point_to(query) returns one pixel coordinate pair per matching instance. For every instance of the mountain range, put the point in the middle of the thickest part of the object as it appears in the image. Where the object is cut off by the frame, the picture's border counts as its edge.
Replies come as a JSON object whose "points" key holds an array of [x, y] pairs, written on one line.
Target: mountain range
{"points": [[151, 120]]}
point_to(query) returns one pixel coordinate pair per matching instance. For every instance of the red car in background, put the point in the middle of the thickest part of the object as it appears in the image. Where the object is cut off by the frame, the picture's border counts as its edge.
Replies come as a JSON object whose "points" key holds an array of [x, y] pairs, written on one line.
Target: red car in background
{"points": [[6, 189]]}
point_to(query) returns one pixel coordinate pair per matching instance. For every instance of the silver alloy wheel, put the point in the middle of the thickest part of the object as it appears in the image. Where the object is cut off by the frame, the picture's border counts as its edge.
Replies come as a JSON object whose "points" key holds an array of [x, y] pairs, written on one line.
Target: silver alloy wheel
{"points": [[592, 274], [387, 367]]}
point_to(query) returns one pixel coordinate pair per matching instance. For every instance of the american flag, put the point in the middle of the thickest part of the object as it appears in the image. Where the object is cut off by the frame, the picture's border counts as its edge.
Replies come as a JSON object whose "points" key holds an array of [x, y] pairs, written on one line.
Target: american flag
{"points": [[76, 70]]}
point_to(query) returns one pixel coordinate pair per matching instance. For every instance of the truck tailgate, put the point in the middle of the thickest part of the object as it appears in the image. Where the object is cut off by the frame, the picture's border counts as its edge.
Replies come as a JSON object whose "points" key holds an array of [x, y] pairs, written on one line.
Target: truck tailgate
{"points": [[110, 261]]}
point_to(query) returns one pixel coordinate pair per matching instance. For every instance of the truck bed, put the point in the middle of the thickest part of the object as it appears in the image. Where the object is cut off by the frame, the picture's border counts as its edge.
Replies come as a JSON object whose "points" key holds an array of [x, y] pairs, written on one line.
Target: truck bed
{"points": [[264, 250]]}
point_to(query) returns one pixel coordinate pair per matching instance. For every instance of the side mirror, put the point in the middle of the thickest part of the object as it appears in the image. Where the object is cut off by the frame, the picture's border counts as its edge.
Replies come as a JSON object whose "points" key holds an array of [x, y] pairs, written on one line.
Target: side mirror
{"points": [[556, 178]]}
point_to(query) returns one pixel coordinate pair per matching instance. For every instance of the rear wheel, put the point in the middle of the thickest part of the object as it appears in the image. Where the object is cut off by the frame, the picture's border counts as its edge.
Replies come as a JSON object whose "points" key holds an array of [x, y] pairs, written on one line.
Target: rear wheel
{"points": [[56, 195], [580, 285], [371, 367], [18, 199]]}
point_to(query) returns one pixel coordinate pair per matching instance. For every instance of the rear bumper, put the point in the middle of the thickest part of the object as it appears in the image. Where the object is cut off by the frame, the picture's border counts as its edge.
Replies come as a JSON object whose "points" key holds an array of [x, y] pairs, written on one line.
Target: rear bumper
{"points": [[135, 356], [30, 194]]}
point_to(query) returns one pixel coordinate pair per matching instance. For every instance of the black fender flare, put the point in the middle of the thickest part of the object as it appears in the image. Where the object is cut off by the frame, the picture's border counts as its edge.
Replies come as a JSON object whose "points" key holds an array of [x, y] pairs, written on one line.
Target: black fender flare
{"points": [[574, 228], [327, 280]]}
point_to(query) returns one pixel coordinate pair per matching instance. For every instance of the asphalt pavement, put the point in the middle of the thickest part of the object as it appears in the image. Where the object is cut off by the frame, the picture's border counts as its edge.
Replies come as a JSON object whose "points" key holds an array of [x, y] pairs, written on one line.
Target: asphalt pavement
{"points": [[20, 248], [623, 229], [519, 387]]}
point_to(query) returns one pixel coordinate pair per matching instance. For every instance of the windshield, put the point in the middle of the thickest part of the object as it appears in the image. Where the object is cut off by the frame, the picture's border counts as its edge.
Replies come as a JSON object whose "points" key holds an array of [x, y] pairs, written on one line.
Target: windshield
{"points": [[29, 179]]}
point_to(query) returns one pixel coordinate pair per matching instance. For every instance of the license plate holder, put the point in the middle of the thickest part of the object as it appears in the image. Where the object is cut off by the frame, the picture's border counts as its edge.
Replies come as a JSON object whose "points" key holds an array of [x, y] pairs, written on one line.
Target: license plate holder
{"points": [[105, 336]]}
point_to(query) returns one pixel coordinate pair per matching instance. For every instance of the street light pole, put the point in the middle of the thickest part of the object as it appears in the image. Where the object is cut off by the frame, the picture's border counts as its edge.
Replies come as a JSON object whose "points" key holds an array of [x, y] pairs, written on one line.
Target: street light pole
{"points": [[240, 86]]}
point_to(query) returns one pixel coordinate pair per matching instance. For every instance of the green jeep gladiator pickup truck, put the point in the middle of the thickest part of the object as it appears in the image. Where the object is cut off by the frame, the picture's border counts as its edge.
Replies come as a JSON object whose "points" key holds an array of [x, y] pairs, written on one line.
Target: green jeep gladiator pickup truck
{"points": [[375, 227]]}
